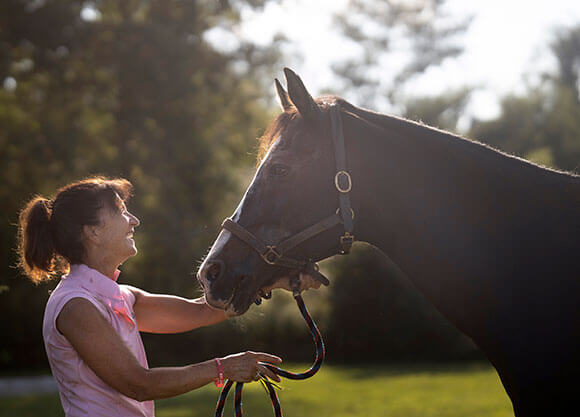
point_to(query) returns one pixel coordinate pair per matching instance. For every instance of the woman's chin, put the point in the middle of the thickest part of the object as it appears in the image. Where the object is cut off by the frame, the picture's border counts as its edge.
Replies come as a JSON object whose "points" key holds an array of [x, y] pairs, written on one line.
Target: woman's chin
{"points": [[132, 248]]}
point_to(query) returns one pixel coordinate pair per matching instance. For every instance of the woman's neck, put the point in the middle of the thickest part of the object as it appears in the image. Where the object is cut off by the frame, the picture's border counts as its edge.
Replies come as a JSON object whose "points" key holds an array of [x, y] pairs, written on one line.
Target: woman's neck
{"points": [[102, 264]]}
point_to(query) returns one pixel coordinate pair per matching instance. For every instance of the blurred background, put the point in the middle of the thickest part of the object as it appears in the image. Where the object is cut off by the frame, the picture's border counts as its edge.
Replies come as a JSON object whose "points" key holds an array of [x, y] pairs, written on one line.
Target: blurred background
{"points": [[173, 96]]}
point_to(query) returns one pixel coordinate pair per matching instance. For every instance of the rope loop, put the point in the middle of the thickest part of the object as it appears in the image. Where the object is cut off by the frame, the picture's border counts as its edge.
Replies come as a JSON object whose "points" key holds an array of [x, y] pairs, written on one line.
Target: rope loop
{"points": [[320, 353]]}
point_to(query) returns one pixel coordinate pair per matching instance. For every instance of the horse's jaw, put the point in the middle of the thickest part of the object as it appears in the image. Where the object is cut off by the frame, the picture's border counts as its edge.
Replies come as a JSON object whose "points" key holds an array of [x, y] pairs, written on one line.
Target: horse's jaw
{"points": [[240, 301]]}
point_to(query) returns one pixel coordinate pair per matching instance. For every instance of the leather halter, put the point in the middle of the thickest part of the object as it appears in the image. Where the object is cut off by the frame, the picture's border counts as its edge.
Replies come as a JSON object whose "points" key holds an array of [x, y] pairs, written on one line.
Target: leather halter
{"points": [[275, 254]]}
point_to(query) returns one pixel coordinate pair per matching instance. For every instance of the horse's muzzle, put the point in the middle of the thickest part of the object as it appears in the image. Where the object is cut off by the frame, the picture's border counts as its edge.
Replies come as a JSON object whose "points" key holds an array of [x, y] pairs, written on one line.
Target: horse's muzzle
{"points": [[209, 273]]}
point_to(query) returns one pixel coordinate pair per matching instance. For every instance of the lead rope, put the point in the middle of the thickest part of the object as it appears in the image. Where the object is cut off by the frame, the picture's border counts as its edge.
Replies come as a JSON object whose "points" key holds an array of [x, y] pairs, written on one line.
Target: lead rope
{"points": [[320, 352]]}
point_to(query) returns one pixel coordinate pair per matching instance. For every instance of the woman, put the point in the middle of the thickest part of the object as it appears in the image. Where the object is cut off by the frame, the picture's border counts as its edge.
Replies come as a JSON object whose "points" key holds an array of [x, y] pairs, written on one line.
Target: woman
{"points": [[91, 324]]}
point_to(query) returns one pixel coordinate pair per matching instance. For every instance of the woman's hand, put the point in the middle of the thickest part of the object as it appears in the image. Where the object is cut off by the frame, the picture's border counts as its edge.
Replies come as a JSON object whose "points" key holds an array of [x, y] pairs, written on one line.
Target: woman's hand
{"points": [[245, 367]]}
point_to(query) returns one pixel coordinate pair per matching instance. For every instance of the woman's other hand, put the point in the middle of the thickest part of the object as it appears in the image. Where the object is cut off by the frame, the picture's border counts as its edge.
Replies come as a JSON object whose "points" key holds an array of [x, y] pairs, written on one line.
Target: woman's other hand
{"points": [[246, 367]]}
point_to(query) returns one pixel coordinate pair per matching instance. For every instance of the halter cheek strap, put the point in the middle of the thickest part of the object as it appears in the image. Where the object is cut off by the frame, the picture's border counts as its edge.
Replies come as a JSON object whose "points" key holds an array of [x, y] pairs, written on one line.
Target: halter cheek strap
{"points": [[342, 180], [276, 254]]}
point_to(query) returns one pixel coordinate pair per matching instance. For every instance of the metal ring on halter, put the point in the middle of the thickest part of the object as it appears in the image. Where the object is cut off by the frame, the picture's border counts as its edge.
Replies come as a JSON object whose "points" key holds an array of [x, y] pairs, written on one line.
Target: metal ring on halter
{"points": [[351, 212], [337, 184], [267, 256]]}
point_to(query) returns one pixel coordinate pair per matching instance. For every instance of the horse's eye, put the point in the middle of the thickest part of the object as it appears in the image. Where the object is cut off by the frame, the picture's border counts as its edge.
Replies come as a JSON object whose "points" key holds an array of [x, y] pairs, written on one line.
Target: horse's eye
{"points": [[279, 170]]}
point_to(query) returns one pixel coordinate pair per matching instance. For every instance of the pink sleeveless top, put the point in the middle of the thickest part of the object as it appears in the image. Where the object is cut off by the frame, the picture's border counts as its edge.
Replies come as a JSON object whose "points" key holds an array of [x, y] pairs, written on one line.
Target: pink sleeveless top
{"points": [[83, 393]]}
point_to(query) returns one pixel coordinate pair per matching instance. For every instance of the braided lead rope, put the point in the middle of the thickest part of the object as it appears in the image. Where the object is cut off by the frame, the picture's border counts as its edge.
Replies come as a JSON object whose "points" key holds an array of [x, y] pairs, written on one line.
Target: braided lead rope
{"points": [[219, 409], [320, 352], [238, 399]]}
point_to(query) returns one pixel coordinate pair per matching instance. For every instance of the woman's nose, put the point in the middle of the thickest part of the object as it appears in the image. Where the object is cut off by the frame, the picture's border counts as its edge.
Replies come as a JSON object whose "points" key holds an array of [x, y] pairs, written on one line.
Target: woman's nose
{"points": [[134, 221]]}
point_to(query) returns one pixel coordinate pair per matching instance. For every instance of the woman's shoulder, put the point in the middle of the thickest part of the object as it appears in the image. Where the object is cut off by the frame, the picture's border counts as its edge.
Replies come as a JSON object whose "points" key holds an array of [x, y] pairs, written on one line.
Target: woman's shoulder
{"points": [[69, 287], [64, 292], [129, 293]]}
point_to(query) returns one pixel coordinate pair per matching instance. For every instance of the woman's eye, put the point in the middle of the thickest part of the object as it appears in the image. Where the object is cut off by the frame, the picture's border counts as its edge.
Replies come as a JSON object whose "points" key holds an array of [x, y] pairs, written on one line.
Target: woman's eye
{"points": [[279, 170]]}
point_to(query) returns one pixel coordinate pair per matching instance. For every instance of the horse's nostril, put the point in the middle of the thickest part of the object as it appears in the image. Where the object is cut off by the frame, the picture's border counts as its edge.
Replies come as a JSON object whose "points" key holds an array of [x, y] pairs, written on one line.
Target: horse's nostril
{"points": [[215, 270]]}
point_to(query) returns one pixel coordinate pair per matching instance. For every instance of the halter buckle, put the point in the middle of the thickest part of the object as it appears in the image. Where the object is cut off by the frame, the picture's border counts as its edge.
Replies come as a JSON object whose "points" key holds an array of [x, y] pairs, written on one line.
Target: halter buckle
{"points": [[346, 242], [351, 212], [271, 255], [337, 182]]}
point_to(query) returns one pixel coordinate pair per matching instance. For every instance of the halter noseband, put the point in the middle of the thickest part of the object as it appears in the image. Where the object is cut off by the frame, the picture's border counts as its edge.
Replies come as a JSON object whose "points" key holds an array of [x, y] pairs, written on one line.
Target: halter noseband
{"points": [[275, 254]]}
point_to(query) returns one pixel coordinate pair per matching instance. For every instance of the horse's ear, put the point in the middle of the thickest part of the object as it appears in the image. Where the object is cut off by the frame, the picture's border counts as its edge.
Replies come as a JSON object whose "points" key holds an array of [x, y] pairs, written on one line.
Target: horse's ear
{"points": [[300, 97], [283, 96]]}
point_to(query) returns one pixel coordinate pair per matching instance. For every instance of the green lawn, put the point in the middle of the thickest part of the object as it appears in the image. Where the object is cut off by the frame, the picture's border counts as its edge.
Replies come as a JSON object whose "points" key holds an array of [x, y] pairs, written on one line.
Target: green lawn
{"points": [[400, 391]]}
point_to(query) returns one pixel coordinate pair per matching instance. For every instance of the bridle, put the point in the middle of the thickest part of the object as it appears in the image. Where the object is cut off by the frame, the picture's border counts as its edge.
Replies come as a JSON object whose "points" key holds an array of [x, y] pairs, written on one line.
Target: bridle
{"points": [[275, 254]]}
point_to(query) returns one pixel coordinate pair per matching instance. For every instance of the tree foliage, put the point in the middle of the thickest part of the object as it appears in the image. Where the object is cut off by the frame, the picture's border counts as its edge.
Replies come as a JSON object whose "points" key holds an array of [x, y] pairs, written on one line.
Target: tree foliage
{"points": [[543, 125], [135, 89], [419, 34], [443, 111], [128, 89]]}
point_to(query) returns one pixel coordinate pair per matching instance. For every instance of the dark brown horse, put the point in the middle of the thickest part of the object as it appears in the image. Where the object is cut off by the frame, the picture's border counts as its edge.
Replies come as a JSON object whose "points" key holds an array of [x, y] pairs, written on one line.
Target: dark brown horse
{"points": [[490, 239]]}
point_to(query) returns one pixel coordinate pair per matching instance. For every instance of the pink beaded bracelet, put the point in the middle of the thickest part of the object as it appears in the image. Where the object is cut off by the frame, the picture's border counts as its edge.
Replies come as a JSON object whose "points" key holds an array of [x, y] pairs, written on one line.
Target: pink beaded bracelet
{"points": [[219, 381]]}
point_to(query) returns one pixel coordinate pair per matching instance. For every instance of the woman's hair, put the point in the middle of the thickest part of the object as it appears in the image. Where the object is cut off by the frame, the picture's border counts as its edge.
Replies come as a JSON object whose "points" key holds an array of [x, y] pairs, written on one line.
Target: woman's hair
{"points": [[50, 230]]}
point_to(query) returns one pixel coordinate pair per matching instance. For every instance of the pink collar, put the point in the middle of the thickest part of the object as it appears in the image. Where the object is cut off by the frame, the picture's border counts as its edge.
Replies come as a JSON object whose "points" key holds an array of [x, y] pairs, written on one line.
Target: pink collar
{"points": [[106, 288], [94, 281]]}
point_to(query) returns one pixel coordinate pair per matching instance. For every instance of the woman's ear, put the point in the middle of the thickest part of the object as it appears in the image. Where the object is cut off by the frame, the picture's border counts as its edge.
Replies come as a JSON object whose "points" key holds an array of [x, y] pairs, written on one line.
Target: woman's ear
{"points": [[91, 233]]}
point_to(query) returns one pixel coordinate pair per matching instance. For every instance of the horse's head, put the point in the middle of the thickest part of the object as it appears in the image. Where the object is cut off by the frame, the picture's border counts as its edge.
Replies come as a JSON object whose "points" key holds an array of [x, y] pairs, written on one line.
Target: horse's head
{"points": [[293, 189]]}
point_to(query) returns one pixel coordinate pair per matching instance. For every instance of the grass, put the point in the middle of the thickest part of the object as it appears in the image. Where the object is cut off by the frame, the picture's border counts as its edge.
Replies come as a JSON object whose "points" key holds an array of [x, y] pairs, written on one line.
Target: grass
{"points": [[467, 390]]}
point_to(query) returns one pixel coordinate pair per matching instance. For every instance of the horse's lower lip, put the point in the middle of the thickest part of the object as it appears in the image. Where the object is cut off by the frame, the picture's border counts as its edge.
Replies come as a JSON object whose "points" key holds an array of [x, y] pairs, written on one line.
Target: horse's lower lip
{"points": [[226, 306], [216, 303], [230, 312]]}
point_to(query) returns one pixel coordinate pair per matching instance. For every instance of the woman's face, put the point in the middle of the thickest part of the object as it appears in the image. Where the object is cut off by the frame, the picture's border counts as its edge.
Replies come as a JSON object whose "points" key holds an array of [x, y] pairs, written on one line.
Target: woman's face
{"points": [[116, 231]]}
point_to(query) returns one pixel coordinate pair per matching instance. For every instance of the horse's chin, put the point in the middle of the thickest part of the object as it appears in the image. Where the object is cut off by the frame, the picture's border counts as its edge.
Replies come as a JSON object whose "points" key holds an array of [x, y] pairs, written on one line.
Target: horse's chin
{"points": [[237, 305], [240, 303], [231, 311]]}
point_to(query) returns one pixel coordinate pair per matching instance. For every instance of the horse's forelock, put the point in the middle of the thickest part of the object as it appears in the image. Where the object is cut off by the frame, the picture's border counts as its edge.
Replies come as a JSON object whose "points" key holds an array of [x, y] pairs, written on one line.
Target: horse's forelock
{"points": [[275, 129], [282, 123]]}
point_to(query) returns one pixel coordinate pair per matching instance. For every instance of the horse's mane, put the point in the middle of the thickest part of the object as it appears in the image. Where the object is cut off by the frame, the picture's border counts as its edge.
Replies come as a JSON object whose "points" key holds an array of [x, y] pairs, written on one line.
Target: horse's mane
{"points": [[394, 124], [283, 122], [391, 124]]}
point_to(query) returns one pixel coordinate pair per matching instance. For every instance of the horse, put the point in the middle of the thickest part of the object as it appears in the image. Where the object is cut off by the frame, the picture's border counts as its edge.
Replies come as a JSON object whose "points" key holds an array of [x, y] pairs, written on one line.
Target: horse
{"points": [[488, 238]]}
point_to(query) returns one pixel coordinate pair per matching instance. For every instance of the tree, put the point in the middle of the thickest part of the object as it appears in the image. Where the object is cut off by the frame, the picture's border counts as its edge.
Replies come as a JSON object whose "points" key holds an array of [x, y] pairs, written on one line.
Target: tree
{"points": [[127, 89], [443, 112], [420, 34], [542, 125]]}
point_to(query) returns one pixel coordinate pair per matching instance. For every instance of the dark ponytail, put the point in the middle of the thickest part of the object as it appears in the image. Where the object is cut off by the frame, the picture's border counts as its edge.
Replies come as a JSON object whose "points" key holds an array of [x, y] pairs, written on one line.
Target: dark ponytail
{"points": [[50, 234], [36, 245]]}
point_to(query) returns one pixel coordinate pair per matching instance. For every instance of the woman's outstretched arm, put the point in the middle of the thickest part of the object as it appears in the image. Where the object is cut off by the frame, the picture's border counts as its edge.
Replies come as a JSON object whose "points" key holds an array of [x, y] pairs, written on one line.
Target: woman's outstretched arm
{"points": [[103, 350], [159, 313]]}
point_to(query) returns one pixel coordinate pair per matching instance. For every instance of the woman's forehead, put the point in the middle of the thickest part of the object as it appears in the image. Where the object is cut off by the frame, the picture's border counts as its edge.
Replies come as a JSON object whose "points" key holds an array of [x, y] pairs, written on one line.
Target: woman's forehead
{"points": [[115, 205]]}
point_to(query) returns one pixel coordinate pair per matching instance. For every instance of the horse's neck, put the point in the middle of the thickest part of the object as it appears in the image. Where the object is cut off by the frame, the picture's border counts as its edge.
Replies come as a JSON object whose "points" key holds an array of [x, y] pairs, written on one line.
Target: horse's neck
{"points": [[453, 214]]}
